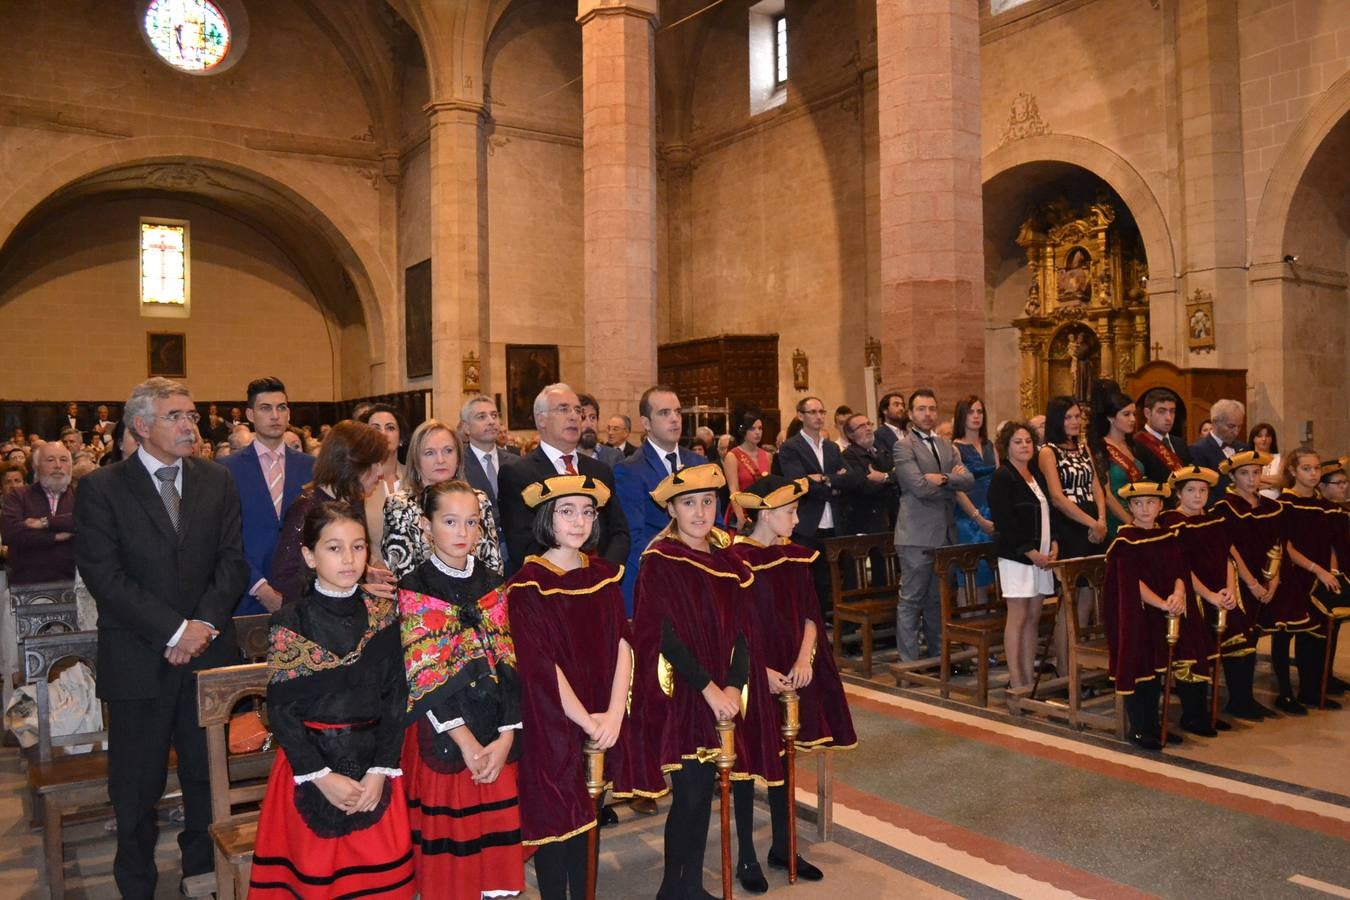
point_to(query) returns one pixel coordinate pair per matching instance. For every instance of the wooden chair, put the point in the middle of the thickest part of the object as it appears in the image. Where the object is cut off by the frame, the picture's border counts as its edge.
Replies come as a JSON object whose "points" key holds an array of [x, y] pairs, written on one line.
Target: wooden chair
{"points": [[871, 602], [238, 783], [39, 609], [1087, 652], [965, 620], [251, 633]]}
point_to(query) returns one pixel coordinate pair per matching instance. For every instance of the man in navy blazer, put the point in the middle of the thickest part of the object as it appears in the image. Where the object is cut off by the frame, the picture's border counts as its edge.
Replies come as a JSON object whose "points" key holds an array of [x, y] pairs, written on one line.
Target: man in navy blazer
{"points": [[268, 476], [1228, 417], [480, 423], [638, 474], [891, 422], [808, 454]]}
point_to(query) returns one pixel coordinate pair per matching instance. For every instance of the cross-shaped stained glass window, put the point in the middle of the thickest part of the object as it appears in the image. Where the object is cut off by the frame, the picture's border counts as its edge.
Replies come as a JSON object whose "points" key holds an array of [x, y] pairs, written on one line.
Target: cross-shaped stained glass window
{"points": [[163, 263]]}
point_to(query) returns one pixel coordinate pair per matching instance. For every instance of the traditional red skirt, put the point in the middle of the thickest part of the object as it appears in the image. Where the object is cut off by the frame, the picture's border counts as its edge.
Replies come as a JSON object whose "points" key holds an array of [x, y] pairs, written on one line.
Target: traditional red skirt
{"points": [[290, 860], [465, 836]]}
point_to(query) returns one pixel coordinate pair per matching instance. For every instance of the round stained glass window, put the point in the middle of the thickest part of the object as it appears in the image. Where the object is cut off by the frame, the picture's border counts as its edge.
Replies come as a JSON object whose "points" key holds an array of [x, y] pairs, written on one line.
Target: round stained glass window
{"points": [[192, 35]]}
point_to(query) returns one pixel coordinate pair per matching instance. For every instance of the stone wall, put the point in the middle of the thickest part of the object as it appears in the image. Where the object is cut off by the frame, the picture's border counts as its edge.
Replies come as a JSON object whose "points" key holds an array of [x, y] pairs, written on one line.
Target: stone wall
{"points": [[69, 297]]}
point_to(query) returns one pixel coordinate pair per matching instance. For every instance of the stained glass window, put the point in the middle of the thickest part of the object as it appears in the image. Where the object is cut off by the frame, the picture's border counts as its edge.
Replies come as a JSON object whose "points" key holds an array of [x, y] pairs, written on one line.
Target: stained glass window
{"points": [[164, 263], [780, 50], [192, 35]]}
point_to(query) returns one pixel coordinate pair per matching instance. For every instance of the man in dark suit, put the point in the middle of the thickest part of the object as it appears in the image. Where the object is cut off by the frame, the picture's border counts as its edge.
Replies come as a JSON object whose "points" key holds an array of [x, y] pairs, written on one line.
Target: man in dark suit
{"points": [[479, 424], [268, 476], [867, 496], [891, 421], [930, 473], [1228, 417], [158, 542], [638, 474], [809, 455], [38, 521], [617, 431], [73, 419], [215, 425], [1154, 445], [557, 415]]}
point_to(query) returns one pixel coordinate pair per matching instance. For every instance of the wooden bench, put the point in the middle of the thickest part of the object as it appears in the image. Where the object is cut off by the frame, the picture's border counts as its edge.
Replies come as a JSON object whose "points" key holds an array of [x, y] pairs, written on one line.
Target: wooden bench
{"points": [[1087, 653], [251, 633], [966, 621], [870, 602], [238, 783]]}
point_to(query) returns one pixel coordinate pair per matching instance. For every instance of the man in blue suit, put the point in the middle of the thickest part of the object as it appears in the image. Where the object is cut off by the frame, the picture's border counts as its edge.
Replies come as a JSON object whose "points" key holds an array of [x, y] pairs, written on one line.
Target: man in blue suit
{"points": [[637, 475], [891, 422], [1212, 449], [268, 476]]}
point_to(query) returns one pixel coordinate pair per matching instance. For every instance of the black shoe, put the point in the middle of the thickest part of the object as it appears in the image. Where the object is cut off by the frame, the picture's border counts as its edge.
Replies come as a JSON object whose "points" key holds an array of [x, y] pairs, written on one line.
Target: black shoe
{"points": [[1173, 737], [751, 877], [805, 871], [1336, 686], [1317, 701], [1145, 741], [698, 893], [1288, 705], [1201, 728], [608, 817], [1251, 713], [1221, 725]]}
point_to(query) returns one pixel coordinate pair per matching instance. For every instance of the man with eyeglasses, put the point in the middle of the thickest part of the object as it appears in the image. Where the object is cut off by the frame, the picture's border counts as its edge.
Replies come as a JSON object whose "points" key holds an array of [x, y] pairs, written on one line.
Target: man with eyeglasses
{"points": [[557, 416], [158, 542], [810, 455], [867, 496], [268, 476]]}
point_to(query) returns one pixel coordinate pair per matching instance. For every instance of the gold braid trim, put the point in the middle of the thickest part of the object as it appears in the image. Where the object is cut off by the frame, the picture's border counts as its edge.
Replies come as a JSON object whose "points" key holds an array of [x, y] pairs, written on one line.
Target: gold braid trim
{"points": [[546, 592], [749, 580]]}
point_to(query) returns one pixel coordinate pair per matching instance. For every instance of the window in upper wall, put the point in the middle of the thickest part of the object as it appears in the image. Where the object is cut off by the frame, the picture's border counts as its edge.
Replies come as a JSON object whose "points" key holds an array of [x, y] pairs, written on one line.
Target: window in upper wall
{"points": [[768, 36], [164, 265], [193, 36], [1001, 6], [780, 55]]}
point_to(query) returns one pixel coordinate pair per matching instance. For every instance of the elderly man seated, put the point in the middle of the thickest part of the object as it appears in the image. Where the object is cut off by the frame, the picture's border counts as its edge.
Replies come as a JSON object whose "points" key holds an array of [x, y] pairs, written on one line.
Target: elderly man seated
{"points": [[38, 521]]}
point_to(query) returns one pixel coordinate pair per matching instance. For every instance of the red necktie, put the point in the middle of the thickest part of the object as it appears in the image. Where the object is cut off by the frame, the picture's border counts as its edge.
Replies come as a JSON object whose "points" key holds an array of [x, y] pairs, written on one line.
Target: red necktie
{"points": [[567, 464]]}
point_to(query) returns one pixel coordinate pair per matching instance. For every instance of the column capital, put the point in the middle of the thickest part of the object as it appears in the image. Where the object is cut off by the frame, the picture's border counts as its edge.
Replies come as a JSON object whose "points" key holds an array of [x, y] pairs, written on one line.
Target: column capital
{"points": [[646, 9], [436, 107]]}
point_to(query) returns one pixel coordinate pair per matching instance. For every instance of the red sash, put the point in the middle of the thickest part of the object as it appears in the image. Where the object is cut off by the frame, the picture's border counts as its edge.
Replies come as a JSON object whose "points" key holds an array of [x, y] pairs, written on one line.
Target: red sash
{"points": [[748, 464], [1146, 440], [1126, 462]]}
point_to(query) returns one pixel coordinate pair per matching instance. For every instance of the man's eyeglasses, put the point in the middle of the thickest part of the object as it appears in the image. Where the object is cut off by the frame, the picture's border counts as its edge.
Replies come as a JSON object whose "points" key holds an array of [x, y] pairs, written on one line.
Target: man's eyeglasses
{"points": [[564, 409], [177, 417]]}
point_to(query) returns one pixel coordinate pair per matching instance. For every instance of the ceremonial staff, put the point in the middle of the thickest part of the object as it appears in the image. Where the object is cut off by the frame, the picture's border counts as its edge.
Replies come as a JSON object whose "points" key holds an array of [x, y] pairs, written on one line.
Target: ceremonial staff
{"points": [[595, 787], [1173, 633], [1332, 625], [726, 758], [791, 725], [1221, 626]]}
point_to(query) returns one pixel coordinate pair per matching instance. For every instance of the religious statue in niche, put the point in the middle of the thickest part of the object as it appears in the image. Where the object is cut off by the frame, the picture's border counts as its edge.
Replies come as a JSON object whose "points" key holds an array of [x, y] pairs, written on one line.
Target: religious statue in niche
{"points": [[1085, 314], [1074, 278], [872, 357], [473, 374], [800, 370]]}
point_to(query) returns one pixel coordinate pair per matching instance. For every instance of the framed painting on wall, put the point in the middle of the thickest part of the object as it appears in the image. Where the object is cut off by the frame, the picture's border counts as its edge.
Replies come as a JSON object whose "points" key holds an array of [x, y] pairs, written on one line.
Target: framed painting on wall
{"points": [[529, 369], [166, 354]]}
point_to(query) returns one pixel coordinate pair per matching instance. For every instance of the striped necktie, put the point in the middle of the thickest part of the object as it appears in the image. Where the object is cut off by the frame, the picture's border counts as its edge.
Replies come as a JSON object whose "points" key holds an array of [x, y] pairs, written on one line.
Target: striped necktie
{"points": [[276, 480]]}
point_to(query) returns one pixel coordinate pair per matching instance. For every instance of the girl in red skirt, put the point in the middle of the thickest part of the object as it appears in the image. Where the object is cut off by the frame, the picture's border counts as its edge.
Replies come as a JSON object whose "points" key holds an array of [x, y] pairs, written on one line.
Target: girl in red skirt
{"points": [[463, 708], [576, 663], [334, 823]]}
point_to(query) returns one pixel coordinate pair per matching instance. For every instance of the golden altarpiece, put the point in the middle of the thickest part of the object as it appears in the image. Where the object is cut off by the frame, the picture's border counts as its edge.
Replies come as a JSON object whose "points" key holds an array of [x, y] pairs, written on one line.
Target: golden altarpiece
{"points": [[1086, 314]]}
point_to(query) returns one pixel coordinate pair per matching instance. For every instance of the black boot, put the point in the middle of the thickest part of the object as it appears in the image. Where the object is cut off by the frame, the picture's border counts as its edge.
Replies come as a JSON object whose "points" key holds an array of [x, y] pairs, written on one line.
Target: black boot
{"points": [[1194, 709], [1309, 653], [1240, 671], [1141, 708]]}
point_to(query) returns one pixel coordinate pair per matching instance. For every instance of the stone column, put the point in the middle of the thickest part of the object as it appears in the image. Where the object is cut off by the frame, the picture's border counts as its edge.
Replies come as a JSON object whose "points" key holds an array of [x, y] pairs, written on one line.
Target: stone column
{"points": [[932, 231], [618, 79], [677, 172], [1213, 235], [458, 272]]}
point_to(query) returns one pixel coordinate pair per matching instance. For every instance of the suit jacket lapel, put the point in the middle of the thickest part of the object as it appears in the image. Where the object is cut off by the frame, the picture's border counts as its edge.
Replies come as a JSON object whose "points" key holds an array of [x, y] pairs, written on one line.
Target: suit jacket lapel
{"points": [[810, 453], [251, 479], [138, 482]]}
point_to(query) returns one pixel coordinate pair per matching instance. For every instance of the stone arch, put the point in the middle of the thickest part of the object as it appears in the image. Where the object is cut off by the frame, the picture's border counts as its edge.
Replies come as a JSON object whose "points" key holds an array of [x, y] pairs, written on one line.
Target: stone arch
{"points": [[1277, 198], [287, 189], [1112, 168]]}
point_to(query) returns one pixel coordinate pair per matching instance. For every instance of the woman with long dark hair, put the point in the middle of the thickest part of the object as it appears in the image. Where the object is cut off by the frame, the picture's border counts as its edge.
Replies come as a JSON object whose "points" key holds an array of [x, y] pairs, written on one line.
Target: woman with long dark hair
{"points": [[745, 462], [1113, 450], [388, 423], [347, 469]]}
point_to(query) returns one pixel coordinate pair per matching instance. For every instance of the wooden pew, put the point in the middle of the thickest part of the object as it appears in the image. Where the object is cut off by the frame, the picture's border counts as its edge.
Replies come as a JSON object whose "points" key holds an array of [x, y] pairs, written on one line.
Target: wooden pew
{"points": [[251, 633], [1087, 652], [237, 783], [966, 621], [870, 603]]}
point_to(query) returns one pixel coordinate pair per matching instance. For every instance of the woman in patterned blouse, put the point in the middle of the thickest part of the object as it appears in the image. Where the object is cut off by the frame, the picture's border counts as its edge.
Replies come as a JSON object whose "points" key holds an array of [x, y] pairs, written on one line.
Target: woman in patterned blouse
{"points": [[435, 455]]}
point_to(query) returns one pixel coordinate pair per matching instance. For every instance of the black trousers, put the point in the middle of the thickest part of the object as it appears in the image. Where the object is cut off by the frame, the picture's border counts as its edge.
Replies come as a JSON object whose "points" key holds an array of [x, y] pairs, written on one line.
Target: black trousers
{"points": [[560, 868], [820, 569], [140, 733], [743, 793], [1142, 708], [687, 828]]}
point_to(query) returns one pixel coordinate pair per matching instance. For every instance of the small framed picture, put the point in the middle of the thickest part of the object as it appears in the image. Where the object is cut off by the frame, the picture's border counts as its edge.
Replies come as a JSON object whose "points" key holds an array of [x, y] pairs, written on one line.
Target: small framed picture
{"points": [[166, 353], [529, 369]]}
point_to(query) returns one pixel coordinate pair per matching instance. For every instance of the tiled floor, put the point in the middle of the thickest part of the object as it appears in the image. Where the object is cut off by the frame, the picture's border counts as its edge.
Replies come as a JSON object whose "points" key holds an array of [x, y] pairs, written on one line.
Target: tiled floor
{"points": [[941, 799]]}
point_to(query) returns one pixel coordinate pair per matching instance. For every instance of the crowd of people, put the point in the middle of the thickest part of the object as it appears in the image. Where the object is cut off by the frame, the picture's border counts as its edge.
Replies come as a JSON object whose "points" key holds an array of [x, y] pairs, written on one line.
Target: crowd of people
{"points": [[454, 614]]}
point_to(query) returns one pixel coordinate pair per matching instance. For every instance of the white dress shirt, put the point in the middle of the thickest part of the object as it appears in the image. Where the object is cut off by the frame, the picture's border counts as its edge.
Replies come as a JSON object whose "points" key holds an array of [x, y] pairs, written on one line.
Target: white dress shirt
{"points": [[555, 456], [662, 453]]}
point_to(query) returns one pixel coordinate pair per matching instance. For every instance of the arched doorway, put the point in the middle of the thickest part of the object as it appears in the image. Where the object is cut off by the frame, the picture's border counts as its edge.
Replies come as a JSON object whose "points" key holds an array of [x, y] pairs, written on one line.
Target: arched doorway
{"points": [[266, 224]]}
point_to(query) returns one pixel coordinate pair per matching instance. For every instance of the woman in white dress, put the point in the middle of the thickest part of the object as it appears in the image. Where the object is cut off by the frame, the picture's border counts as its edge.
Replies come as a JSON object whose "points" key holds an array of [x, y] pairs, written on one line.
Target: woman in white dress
{"points": [[1019, 505]]}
